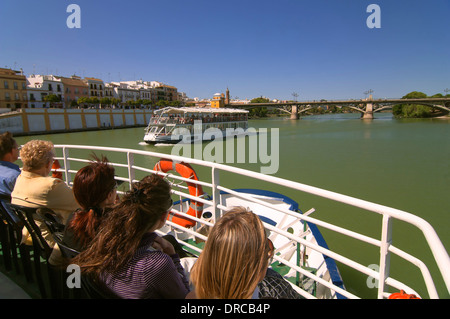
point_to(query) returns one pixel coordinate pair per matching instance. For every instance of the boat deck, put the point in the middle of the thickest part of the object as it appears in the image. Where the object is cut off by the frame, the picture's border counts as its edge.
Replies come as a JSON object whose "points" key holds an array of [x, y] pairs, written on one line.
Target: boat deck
{"points": [[14, 286], [10, 290]]}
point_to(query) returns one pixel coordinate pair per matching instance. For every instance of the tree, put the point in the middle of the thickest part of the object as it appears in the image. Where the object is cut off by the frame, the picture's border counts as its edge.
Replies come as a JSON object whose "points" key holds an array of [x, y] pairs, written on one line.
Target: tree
{"points": [[115, 101], [259, 100], [175, 103], [162, 103], [415, 95], [413, 110], [258, 111], [52, 98], [94, 100], [82, 100], [147, 103], [105, 101]]}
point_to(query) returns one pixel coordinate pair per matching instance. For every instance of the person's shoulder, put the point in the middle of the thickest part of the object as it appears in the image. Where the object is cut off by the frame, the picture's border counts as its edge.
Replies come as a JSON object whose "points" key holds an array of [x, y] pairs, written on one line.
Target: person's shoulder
{"points": [[10, 167], [154, 259], [56, 182]]}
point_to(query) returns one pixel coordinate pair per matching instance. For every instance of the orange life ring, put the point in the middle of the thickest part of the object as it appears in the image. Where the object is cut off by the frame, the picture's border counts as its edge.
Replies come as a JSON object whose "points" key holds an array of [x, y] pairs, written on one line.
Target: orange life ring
{"points": [[186, 171], [56, 166], [402, 295]]}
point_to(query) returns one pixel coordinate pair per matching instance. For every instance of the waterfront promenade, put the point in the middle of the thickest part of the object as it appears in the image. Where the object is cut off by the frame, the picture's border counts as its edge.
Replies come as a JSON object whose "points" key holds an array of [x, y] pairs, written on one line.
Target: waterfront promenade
{"points": [[43, 120]]}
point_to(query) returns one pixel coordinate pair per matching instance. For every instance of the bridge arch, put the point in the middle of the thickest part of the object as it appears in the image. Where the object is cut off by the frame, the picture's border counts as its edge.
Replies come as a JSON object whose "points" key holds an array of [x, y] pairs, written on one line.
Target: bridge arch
{"points": [[435, 106]]}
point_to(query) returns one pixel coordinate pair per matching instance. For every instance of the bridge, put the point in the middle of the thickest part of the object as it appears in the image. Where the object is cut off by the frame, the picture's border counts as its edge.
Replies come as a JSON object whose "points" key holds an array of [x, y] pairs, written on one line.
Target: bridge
{"points": [[367, 106]]}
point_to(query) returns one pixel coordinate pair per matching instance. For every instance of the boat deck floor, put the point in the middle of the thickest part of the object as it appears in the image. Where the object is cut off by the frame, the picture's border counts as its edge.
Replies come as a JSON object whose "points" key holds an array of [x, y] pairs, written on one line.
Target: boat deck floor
{"points": [[11, 290], [13, 285]]}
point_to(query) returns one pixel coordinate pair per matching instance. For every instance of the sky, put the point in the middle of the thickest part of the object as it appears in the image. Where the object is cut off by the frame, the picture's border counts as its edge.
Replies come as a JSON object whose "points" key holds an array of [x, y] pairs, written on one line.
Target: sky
{"points": [[318, 49]]}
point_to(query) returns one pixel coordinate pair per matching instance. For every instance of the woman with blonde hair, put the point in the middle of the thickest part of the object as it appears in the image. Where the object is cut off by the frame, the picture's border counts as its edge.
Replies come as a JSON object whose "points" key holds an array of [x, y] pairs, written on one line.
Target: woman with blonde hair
{"points": [[35, 188], [234, 260]]}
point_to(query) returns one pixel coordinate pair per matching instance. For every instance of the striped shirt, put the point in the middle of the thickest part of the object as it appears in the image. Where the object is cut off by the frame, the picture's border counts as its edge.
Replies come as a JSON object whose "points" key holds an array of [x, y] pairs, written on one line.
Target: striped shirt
{"points": [[149, 274]]}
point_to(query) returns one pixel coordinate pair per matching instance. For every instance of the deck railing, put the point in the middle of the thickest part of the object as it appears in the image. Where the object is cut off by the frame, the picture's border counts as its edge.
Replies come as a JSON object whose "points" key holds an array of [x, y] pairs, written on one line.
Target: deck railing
{"points": [[384, 243]]}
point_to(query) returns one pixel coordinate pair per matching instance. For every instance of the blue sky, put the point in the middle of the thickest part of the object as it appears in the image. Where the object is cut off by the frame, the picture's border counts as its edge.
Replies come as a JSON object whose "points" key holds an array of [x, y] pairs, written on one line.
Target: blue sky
{"points": [[316, 48]]}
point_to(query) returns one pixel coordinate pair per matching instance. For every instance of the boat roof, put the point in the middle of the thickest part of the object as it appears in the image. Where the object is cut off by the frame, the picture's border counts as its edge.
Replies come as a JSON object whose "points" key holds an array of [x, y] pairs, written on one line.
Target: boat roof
{"points": [[211, 110]]}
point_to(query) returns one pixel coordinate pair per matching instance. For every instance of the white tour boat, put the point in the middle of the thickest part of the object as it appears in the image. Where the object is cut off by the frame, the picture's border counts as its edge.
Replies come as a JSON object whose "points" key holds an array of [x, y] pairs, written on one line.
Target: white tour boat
{"points": [[301, 256], [191, 124]]}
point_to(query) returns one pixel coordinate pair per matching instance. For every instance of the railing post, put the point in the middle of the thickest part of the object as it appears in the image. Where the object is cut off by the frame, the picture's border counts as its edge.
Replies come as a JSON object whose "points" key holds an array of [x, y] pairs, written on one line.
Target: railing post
{"points": [[215, 193], [130, 163], [385, 256], [66, 165]]}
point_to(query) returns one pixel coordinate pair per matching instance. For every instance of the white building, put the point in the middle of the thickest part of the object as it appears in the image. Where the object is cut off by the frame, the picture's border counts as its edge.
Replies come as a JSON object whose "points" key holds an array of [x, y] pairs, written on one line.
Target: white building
{"points": [[125, 92], [39, 86]]}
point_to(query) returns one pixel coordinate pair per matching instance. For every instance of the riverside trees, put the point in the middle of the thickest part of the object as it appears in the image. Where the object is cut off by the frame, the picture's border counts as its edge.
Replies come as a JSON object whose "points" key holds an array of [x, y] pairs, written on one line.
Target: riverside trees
{"points": [[416, 110]]}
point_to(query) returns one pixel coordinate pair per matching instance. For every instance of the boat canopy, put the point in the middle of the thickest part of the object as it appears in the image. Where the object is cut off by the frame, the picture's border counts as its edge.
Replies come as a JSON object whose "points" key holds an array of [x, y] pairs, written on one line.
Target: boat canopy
{"points": [[207, 110]]}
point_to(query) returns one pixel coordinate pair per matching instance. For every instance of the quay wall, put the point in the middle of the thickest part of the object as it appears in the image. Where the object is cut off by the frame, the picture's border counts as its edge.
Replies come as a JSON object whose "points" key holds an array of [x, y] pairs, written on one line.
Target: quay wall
{"points": [[45, 121]]}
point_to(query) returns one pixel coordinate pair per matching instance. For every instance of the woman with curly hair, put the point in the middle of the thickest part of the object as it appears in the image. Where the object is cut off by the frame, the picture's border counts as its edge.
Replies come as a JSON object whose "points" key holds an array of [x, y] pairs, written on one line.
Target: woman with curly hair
{"points": [[35, 188]]}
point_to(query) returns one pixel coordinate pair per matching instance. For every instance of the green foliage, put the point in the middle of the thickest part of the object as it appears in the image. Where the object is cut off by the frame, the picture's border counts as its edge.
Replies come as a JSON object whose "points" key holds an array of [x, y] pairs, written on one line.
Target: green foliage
{"points": [[51, 98], [415, 95], [258, 112], [414, 110], [259, 100]]}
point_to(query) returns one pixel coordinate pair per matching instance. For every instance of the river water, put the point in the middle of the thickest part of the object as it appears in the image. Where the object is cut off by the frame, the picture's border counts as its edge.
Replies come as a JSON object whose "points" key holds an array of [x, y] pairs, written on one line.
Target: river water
{"points": [[402, 163]]}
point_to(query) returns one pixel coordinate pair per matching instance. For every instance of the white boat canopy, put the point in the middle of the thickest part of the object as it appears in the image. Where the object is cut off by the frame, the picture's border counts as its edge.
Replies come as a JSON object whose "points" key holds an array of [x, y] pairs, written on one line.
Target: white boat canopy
{"points": [[208, 110]]}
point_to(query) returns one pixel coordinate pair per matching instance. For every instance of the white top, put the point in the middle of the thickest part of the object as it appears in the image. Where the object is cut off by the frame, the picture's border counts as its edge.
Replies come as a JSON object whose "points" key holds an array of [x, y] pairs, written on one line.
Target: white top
{"points": [[183, 110]]}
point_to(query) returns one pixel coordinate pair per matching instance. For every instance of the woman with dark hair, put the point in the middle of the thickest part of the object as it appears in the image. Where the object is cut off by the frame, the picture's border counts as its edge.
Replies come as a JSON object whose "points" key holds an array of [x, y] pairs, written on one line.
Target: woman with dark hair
{"points": [[127, 257], [94, 189]]}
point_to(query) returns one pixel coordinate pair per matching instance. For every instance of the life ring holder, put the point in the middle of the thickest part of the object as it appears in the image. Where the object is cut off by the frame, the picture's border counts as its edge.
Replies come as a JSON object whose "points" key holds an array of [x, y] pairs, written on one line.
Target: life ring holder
{"points": [[186, 171], [55, 167]]}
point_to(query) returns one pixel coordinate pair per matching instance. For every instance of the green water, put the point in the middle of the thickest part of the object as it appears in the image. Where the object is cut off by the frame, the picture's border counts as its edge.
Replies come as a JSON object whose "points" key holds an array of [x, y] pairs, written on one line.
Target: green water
{"points": [[404, 164]]}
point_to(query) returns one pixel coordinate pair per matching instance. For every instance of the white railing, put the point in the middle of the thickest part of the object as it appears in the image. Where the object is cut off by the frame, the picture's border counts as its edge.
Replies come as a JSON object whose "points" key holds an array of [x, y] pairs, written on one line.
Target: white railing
{"points": [[384, 243]]}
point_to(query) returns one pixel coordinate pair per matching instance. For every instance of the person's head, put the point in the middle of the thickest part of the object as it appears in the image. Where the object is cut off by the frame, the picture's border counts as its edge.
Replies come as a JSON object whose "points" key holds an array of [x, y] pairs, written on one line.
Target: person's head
{"points": [[142, 209], [148, 201], [9, 150], [94, 188], [94, 185], [37, 155], [234, 259]]}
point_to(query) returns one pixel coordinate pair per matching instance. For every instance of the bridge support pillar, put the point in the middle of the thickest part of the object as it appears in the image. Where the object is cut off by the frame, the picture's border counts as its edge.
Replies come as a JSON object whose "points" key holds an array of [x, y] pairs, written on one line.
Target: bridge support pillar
{"points": [[294, 113], [368, 114]]}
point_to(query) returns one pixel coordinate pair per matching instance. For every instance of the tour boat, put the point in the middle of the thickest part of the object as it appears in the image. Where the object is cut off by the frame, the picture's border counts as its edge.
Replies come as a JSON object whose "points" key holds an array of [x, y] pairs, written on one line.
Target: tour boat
{"points": [[202, 194], [191, 124]]}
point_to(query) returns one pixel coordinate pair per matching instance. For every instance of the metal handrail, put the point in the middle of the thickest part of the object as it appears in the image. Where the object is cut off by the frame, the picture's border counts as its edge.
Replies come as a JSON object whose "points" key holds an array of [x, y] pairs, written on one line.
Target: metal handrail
{"points": [[388, 213]]}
